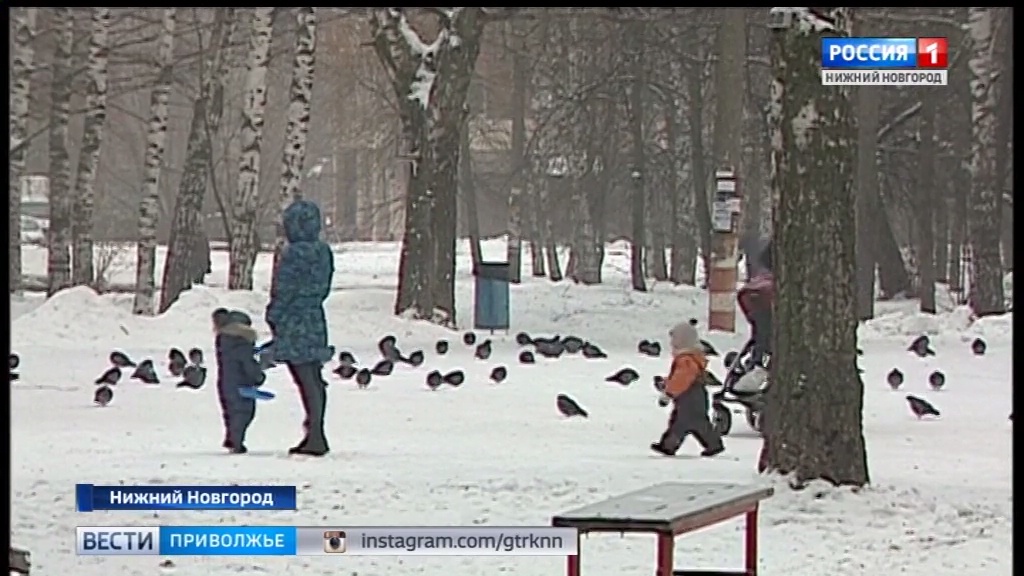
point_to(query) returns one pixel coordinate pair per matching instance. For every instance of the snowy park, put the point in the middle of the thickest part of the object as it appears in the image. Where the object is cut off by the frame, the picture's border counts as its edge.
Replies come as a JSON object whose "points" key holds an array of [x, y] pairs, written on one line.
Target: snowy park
{"points": [[498, 454]]}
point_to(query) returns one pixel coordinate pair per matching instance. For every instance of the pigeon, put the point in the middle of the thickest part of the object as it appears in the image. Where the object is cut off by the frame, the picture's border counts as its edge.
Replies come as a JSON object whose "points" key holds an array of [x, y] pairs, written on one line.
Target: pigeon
{"points": [[441, 347], [103, 395], [572, 344], [383, 368], [936, 380], [388, 349], [921, 407], [709, 350], [176, 362], [693, 322], [455, 378], [648, 348], [591, 351], [15, 376], [978, 347], [569, 407], [624, 377], [549, 349], [415, 359], [112, 376], [363, 378], [526, 357], [860, 352], [894, 379], [523, 339], [121, 360], [434, 380], [469, 339], [921, 346], [146, 373], [346, 357], [659, 383], [345, 371], [553, 340], [498, 374], [194, 377], [195, 356], [483, 351], [13, 360]]}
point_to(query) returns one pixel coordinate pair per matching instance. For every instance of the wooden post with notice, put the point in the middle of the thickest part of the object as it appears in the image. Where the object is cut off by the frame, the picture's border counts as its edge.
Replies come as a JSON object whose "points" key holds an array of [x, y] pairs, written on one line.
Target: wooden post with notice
{"points": [[725, 222]]}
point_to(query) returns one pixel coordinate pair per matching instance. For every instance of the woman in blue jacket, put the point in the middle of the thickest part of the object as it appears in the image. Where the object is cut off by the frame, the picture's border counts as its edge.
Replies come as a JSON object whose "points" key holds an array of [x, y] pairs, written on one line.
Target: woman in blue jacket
{"points": [[296, 316]]}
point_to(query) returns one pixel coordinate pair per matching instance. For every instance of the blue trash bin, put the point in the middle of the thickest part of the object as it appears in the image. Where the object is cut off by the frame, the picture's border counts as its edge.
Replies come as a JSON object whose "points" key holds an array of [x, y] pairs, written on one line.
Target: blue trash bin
{"points": [[491, 296]]}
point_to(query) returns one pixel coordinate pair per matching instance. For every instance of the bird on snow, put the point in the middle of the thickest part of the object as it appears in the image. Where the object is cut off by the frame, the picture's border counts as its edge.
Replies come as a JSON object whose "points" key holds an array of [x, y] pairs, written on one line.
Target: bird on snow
{"points": [[921, 346], [111, 376], [591, 351], [441, 347], [176, 362], [194, 377], [363, 378], [454, 378], [195, 356], [730, 358], [483, 351], [523, 339], [121, 360], [921, 407], [709, 350], [346, 357], [498, 374], [415, 359], [569, 407], [860, 352], [146, 373], [572, 344], [936, 380], [345, 371], [469, 339], [383, 368], [648, 348], [553, 340], [549, 349], [14, 376], [526, 357], [894, 379], [13, 360], [103, 395], [388, 348], [659, 383], [434, 380], [978, 347], [624, 377]]}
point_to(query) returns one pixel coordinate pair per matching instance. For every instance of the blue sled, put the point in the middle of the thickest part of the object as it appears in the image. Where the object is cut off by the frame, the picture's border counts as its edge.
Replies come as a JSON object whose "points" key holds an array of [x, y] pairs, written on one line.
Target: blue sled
{"points": [[255, 393]]}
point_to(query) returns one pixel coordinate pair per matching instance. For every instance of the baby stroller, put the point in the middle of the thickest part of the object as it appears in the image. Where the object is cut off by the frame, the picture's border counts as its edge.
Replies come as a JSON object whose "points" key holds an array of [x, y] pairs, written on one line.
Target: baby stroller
{"points": [[737, 364]]}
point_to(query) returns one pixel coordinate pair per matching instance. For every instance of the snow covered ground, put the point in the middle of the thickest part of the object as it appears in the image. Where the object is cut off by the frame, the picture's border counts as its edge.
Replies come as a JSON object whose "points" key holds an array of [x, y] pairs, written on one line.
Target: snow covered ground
{"points": [[498, 454]]}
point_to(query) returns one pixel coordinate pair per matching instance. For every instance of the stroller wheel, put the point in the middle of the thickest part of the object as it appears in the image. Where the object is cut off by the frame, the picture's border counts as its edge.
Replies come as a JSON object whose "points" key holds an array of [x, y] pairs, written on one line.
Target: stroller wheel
{"points": [[754, 419], [721, 419]]}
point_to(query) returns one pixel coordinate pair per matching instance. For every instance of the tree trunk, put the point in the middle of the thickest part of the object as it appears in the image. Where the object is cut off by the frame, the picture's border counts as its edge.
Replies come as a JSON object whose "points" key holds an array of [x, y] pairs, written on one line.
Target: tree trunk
{"points": [[537, 269], [1004, 128], [868, 207], [89, 155], [245, 218], [517, 164], [893, 278], [925, 195], [550, 246], [207, 110], [467, 190], [22, 65], [986, 291], [58, 263], [702, 208], [960, 190], [156, 141], [638, 174], [684, 228], [813, 425], [300, 95]]}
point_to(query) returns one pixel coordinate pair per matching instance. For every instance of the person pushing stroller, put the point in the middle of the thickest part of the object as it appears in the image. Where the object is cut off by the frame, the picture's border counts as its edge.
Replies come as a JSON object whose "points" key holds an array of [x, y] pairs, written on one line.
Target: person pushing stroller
{"points": [[755, 300]]}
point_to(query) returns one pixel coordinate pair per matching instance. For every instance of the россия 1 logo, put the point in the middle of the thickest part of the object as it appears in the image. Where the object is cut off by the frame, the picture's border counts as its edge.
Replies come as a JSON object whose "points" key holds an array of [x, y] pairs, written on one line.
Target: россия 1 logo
{"points": [[884, 61]]}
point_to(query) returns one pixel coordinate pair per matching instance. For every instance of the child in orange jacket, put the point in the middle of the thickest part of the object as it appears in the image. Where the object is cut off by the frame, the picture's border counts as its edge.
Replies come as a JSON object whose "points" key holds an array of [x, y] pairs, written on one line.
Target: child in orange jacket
{"points": [[684, 389]]}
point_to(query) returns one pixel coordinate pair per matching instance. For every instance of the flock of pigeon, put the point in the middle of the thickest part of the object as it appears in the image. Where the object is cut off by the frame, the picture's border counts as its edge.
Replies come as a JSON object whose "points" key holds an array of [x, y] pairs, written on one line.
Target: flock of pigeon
{"points": [[922, 348], [190, 369]]}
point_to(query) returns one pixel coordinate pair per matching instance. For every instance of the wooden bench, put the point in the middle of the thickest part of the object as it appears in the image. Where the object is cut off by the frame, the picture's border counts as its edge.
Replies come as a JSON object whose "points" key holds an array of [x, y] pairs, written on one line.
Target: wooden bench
{"points": [[18, 561], [669, 510]]}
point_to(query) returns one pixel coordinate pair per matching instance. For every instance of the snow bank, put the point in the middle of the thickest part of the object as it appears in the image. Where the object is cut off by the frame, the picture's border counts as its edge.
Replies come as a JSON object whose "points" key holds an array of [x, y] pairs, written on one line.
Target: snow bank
{"points": [[74, 315]]}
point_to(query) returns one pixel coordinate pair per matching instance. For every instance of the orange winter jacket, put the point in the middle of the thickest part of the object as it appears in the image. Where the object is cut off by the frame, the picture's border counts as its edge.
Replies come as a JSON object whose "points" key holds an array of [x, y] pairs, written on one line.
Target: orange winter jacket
{"points": [[687, 368]]}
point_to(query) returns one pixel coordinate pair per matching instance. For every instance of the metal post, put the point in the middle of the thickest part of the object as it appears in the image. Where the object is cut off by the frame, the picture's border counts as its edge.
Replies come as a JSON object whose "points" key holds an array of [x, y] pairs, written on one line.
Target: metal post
{"points": [[722, 277]]}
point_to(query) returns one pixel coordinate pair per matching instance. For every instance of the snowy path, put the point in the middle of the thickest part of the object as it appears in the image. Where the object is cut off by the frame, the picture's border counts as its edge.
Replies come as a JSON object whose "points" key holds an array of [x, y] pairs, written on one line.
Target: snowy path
{"points": [[498, 454]]}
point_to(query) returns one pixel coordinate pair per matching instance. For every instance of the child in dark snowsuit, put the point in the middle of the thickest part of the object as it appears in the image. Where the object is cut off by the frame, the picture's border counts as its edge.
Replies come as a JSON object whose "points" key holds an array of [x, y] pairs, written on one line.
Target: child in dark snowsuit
{"points": [[237, 368], [684, 388]]}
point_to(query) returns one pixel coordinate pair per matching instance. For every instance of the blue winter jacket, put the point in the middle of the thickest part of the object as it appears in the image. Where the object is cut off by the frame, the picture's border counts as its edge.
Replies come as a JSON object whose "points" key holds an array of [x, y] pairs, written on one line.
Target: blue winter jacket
{"points": [[301, 283], [236, 365]]}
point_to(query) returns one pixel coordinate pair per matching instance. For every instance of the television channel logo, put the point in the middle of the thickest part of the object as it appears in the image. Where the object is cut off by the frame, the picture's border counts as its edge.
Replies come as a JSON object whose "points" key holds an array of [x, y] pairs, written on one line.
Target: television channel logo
{"points": [[334, 542], [884, 61]]}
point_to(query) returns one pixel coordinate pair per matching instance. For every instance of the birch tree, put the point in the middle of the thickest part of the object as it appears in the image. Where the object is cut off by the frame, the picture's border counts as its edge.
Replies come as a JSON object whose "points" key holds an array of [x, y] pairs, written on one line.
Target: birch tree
{"points": [[207, 110], [156, 139], [243, 248], [983, 219], [300, 95], [812, 423], [430, 81], [58, 261], [92, 142], [22, 66]]}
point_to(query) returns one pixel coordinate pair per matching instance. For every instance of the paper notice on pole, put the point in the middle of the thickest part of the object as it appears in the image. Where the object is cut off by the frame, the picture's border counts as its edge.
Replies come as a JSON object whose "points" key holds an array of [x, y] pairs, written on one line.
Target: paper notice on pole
{"points": [[734, 205], [726, 185], [721, 217]]}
